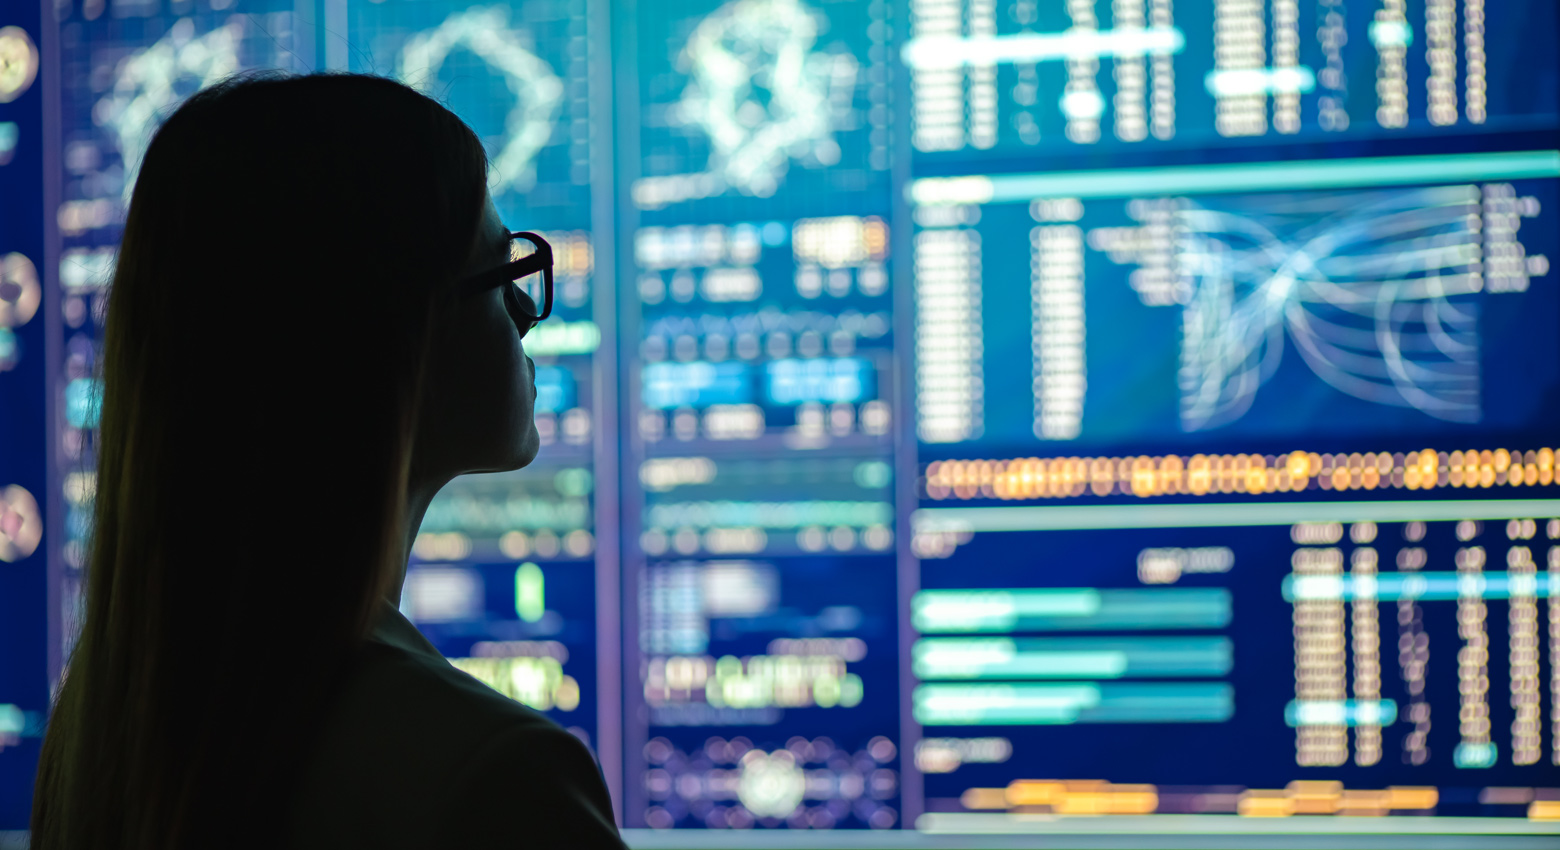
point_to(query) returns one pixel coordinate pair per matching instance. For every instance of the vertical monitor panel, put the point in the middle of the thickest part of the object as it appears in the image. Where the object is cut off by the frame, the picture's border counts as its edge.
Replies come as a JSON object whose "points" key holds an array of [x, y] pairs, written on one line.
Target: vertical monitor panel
{"points": [[761, 690], [502, 578]]}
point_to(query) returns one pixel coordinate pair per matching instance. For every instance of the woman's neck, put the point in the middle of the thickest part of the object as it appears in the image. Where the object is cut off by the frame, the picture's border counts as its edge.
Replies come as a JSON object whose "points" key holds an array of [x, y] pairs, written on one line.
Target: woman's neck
{"points": [[418, 496]]}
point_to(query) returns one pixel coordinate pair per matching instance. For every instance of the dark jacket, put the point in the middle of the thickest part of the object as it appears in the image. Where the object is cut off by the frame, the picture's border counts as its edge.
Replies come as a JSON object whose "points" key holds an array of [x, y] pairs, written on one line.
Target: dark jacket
{"points": [[417, 754]]}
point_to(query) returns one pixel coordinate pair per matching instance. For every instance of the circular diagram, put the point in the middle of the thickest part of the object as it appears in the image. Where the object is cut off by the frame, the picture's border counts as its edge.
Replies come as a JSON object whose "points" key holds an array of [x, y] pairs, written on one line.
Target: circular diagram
{"points": [[18, 63], [772, 784], [19, 291], [21, 526]]}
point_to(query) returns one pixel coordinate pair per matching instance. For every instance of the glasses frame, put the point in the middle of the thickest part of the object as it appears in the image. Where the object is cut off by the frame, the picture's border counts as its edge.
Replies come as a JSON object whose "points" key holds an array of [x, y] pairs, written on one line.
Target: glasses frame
{"points": [[508, 273]]}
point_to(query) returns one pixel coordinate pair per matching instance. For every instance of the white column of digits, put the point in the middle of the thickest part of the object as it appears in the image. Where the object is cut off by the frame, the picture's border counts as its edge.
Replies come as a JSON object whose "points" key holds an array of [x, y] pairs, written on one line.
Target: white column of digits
{"points": [[1414, 649], [1504, 258], [1025, 94], [1554, 645], [1239, 56], [937, 92], [1286, 61], [1441, 54], [1473, 660], [982, 78], [1522, 651], [1366, 634], [948, 341], [1320, 662], [1475, 87], [1331, 81], [879, 115], [1057, 329], [1390, 34], [1162, 75], [1081, 102], [1130, 75]]}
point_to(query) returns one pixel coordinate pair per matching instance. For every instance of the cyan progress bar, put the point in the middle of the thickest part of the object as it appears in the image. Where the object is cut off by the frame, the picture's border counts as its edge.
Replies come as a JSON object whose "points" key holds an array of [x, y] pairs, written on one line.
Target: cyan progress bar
{"points": [[1221, 515], [1428, 586], [1243, 177], [1031, 704], [1343, 712], [1071, 658], [1070, 609]]}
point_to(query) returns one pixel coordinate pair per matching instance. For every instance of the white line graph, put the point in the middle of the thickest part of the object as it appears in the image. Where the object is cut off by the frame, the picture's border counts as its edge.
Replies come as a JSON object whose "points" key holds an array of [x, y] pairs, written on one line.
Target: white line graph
{"points": [[149, 83], [538, 92], [1374, 290]]}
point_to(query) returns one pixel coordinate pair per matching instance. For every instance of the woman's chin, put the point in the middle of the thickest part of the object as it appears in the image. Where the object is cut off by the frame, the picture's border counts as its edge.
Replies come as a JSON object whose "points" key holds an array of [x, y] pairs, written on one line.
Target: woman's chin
{"points": [[519, 454], [530, 445]]}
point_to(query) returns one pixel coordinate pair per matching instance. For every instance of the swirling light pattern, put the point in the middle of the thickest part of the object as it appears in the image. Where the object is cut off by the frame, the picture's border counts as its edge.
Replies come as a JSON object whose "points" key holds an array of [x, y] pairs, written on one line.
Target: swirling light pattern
{"points": [[538, 91], [150, 82], [762, 95], [1373, 291]]}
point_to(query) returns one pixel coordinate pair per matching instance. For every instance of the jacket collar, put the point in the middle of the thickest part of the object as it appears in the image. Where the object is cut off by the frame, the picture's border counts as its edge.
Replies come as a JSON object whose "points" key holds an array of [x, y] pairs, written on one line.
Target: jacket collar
{"points": [[395, 630]]}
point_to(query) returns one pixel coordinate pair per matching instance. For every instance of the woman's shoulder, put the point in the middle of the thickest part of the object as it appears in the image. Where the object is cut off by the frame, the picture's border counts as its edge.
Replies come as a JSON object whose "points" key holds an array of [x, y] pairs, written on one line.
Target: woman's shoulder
{"points": [[410, 743], [392, 687]]}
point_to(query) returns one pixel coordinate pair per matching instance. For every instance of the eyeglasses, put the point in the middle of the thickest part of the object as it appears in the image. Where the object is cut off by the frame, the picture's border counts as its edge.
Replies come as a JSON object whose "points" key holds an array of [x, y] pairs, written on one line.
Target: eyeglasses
{"points": [[528, 255]]}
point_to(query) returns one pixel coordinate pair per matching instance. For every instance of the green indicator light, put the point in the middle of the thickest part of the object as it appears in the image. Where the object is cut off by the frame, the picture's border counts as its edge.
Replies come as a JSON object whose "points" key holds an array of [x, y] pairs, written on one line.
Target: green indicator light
{"points": [[1391, 34], [560, 338], [530, 602], [12, 719]]}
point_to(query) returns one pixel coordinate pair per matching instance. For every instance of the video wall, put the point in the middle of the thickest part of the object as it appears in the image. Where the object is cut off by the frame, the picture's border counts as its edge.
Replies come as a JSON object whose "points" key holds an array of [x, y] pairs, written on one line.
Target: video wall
{"points": [[957, 410]]}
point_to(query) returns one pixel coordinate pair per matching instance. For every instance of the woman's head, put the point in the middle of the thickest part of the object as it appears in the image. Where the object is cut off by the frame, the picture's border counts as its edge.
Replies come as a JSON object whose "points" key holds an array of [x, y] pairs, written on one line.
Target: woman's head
{"points": [[286, 354], [321, 221]]}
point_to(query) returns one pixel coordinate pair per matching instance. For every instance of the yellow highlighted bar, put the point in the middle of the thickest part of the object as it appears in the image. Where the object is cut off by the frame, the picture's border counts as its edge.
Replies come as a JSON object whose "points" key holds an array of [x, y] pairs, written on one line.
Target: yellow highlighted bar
{"points": [[1301, 797], [984, 799], [1147, 476], [1544, 810], [1323, 797], [1082, 797], [1315, 797], [1411, 797], [1264, 803]]}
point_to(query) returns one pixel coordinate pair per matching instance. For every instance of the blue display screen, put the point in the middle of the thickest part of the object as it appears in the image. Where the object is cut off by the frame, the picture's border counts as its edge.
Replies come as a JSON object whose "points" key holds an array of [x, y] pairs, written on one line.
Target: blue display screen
{"points": [[965, 416]]}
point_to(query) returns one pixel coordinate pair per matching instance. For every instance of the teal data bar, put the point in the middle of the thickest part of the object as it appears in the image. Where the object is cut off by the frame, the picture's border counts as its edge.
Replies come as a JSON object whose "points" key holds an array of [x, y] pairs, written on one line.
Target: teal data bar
{"points": [[1071, 658], [1033, 704], [1069, 609], [1222, 515], [1433, 586], [1345, 712], [1242, 177]]}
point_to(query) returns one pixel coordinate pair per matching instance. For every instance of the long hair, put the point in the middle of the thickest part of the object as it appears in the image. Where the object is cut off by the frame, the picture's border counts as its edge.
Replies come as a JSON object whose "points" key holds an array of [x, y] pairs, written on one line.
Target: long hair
{"points": [[285, 254]]}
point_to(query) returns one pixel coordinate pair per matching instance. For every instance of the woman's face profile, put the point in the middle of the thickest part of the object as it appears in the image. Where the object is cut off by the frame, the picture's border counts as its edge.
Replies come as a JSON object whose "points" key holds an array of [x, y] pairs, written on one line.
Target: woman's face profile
{"points": [[477, 413]]}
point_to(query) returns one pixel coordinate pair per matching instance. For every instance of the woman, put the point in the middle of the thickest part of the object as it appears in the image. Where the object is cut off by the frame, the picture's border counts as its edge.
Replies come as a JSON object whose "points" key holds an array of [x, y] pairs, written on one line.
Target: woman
{"points": [[304, 342]]}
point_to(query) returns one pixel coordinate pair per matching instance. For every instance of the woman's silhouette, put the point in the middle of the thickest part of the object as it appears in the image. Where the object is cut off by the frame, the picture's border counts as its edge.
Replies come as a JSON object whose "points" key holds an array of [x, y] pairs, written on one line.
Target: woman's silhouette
{"points": [[310, 330]]}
